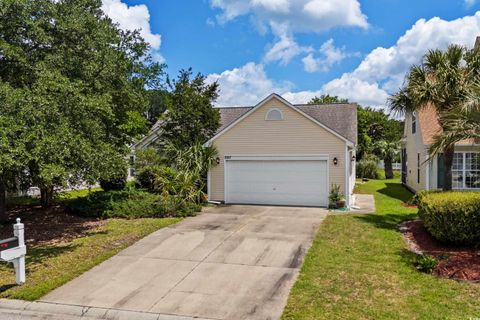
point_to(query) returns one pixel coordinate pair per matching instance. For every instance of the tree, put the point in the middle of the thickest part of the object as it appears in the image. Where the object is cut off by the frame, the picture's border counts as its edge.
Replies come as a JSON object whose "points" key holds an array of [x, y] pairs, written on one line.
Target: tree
{"points": [[376, 125], [461, 124], [326, 98], [388, 151], [157, 99], [442, 80], [83, 83], [190, 116]]}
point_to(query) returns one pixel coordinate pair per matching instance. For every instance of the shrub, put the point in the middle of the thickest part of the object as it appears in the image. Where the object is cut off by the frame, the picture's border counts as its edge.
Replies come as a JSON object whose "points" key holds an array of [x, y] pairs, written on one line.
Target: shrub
{"points": [[425, 263], [185, 184], [145, 178], [415, 200], [452, 216], [131, 204], [118, 183], [367, 168], [335, 196]]}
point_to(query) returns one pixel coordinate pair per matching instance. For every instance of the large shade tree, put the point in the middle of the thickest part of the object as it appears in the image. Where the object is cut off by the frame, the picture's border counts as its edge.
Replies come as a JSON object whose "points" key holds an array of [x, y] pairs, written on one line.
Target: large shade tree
{"points": [[83, 83], [443, 80]]}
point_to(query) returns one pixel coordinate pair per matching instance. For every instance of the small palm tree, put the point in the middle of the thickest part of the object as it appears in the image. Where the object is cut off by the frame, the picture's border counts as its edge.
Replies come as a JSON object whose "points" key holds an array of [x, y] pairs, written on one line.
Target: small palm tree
{"points": [[388, 151], [443, 80]]}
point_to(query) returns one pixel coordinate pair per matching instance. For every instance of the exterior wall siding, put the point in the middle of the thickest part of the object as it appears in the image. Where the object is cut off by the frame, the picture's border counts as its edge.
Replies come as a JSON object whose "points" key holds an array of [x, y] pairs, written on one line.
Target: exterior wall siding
{"points": [[294, 135], [429, 167], [414, 145]]}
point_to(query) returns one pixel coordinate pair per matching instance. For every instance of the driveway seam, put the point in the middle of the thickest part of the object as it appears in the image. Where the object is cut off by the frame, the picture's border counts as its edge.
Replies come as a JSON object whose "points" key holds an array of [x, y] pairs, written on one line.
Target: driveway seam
{"points": [[208, 255]]}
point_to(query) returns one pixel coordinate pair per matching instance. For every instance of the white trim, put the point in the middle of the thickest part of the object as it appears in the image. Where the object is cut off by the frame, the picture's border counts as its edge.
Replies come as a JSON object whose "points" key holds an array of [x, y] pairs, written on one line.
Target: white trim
{"points": [[464, 170], [427, 172], [282, 117], [271, 96], [270, 157], [347, 178], [278, 157], [209, 184]]}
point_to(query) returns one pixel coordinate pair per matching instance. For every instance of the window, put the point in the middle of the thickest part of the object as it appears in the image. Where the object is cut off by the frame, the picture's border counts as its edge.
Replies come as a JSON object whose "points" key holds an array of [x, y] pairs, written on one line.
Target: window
{"points": [[466, 170], [274, 114], [414, 123], [418, 167]]}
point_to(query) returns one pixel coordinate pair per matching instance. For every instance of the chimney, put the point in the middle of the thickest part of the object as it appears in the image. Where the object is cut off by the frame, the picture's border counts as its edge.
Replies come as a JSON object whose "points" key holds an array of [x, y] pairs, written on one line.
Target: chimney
{"points": [[477, 43]]}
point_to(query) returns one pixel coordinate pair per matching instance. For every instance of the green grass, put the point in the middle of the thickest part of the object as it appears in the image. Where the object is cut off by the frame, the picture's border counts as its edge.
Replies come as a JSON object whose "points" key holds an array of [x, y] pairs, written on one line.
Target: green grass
{"points": [[359, 268], [60, 197], [48, 267]]}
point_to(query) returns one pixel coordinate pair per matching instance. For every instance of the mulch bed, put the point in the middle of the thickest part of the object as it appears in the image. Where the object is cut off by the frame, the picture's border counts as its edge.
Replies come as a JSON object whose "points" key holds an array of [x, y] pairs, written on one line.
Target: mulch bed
{"points": [[49, 226], [459, 263]]}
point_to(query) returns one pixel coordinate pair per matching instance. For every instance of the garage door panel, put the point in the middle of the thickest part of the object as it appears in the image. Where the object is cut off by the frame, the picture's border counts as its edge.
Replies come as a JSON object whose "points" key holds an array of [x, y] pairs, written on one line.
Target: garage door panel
{"points": [[277, 182]]}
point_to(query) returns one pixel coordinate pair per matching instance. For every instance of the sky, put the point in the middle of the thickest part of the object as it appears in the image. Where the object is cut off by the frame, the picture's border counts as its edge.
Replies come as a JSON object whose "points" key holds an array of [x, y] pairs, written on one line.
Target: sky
{"points": [[355, 49]]}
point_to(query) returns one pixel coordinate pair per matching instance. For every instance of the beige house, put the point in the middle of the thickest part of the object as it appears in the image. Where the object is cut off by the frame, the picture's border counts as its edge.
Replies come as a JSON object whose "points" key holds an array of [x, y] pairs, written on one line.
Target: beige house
{"points": [[420, 172], [277, 153]]}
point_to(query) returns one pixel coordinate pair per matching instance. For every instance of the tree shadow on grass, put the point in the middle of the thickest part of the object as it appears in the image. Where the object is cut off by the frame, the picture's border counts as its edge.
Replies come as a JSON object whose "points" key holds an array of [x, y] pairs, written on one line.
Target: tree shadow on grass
{"points": [[40, 254], [396, 191], [388, 221]]}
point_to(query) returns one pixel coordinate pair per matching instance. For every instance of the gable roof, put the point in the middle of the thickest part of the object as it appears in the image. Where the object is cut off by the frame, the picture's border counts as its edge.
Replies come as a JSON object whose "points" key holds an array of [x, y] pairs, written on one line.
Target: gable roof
{"points": [[340, 118], [430, 126]]}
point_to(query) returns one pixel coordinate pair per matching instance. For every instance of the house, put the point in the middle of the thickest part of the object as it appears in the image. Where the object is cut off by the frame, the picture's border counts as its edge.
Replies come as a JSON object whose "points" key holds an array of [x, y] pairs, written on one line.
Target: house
{"points": [[281, 154], [420, 171], [277, 153]]}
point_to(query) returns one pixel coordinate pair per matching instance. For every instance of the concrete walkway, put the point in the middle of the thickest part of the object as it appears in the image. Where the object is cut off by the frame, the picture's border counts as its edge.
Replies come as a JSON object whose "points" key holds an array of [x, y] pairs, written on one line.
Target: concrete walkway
{"points": [[231, 262]]}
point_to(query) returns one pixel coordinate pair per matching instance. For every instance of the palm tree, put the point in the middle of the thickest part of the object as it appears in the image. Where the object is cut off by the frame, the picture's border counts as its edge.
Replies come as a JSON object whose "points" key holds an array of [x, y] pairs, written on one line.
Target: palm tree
{"points": [[443, 80], [462, 124], [388, 151]]}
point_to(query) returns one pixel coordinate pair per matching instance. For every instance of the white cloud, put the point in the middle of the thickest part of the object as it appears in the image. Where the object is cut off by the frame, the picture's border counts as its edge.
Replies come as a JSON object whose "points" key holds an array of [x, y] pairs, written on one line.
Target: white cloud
{"points": [[331, 55], [295, 15], [249, 84], [470, 3], [380, 73], [134, 18], [383, 69], [284, 50], [246, 85]]}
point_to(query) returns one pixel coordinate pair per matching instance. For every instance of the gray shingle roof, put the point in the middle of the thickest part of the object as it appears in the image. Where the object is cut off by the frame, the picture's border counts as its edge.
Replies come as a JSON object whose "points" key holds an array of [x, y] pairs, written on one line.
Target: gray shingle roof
{"points": [[339, 117]]}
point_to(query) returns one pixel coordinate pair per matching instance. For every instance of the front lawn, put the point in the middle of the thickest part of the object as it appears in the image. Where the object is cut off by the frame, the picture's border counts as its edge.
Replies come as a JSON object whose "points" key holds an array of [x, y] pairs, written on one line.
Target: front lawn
{"points": [[51, 265], [359, 268], [61, 246]]}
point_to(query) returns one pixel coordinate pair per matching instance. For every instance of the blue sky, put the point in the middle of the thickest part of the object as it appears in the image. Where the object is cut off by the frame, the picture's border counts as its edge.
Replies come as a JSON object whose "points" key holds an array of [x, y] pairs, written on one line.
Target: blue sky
{"points": [[357, 49]]}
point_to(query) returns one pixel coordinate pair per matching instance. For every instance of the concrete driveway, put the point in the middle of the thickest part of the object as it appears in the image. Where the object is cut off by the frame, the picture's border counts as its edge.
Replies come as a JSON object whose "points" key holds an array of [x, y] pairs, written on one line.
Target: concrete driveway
{"points": [[230, 262]]}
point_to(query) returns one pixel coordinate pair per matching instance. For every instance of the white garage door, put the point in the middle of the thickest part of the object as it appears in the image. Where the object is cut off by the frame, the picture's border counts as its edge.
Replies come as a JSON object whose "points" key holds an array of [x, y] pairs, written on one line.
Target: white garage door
{"points": [[277, 182]]}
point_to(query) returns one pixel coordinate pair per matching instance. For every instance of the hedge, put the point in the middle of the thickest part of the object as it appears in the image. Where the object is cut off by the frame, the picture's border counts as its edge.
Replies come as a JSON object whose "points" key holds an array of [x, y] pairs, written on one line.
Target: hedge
{"points": [[452, 217], [131, 204]]}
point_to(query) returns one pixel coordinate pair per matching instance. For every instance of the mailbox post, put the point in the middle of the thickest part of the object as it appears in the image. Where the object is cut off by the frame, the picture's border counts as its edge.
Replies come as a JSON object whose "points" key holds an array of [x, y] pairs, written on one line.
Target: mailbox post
{"points": [[14, 250]]}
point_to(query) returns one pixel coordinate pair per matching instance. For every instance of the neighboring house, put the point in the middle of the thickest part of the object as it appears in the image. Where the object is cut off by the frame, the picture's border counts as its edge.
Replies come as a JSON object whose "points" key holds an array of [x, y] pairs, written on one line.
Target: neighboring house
{"points": [[420, 172], [277, 153]]}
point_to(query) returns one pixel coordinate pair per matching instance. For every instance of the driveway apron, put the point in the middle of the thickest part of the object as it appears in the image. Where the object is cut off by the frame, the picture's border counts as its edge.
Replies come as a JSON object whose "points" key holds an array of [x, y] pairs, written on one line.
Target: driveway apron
{"points": [[230, 262]]}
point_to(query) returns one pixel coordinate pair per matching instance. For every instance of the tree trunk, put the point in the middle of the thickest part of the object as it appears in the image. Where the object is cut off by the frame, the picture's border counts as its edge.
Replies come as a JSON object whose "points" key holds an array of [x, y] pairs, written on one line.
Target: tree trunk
{"points": [[448, 156], [3, 202], [46, 196], [388, 168]]}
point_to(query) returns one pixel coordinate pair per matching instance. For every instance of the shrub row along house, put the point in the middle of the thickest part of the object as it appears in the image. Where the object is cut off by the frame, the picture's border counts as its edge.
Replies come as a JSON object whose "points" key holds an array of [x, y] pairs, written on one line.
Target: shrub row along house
{"points": [[278, 153]]}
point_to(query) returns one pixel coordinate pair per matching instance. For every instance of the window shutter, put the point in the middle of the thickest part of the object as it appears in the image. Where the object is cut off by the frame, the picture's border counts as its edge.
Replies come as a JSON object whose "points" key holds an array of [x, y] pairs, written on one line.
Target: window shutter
{"points": [[440, 170]]}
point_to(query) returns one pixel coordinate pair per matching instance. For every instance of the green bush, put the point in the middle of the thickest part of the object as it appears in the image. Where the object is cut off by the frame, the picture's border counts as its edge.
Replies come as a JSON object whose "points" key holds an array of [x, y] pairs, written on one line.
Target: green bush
{"points": [[367, 168], [335, 196], [425, 263], [145, 178], [452, 217], [131, 204], [415, 200]]}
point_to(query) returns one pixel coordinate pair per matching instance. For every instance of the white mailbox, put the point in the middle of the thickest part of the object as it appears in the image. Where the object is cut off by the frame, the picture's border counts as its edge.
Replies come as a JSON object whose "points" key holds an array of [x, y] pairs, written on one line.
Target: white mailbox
{"points": [[14, 250]]}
